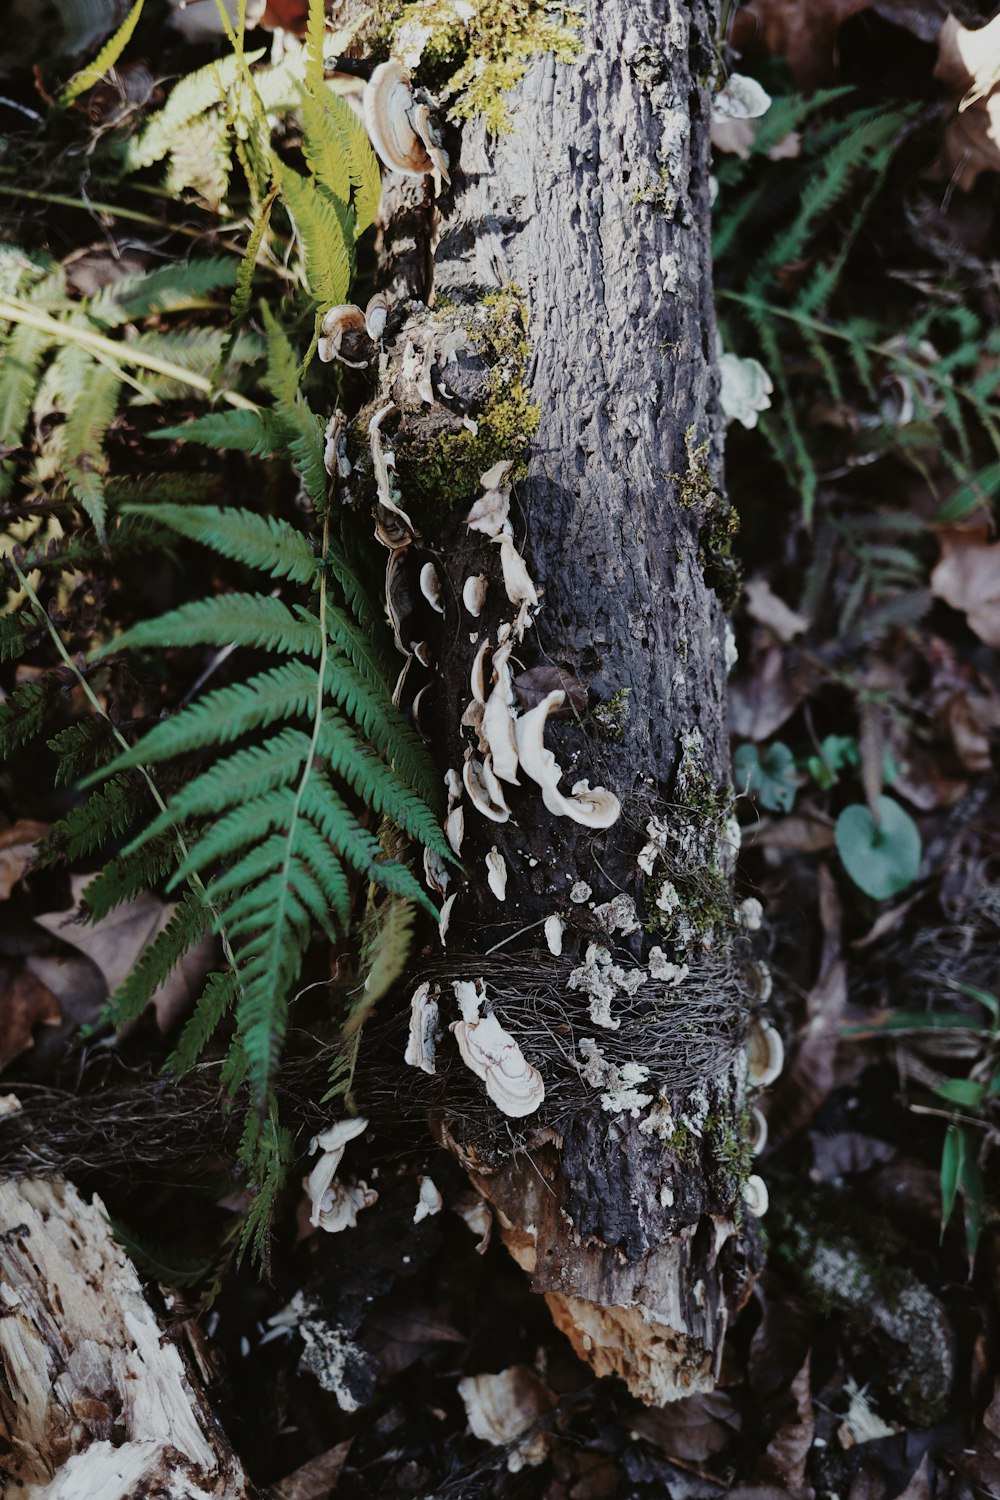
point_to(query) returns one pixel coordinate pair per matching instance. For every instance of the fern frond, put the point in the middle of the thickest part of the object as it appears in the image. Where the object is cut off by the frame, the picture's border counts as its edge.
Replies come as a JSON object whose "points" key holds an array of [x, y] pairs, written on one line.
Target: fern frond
{"points": [[126, 876], [16, 631], [248, 824], [377, 784], [340, 155], [240, 304], [239, 779], [266, 1150], [262, 542], [250, 620], [342, 831], [84, 460], [281, 693], [210, 1010], [172, 489], [170, 288], [325, 226], [105, 59], [301, 429], [22, 716], [106, 814], [78, 746], [186, 927], [383, 959], [251, 432], [189, 98], [20, 367]]}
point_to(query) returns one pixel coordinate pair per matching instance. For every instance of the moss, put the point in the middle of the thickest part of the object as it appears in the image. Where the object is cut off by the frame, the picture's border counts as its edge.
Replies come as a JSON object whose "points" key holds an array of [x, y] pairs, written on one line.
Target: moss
{"points": [[685, 1145], [472, 60], [613, 716], [718, 522], [439, 474], [730, 1154]]}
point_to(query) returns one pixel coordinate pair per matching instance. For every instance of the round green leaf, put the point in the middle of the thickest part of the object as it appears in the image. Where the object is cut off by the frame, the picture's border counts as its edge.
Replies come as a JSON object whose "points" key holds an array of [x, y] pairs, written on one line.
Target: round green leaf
{"points": [[769, 777], [884, 858]]}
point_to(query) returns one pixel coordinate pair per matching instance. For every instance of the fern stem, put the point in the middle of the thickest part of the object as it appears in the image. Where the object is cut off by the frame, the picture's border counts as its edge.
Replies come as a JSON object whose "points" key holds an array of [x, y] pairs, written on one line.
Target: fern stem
{"points": [[119, 352], [194, 881], [66, 200]]}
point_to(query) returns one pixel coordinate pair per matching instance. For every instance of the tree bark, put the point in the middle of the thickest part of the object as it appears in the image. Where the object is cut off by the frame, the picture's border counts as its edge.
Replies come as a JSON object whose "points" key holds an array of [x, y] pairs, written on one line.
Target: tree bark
{"points": [[592, 214]]}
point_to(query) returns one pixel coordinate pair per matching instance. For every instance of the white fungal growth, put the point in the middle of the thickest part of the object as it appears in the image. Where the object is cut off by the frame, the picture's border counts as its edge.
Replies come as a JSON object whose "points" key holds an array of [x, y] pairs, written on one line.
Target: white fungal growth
{"points": [[755, 1196], [595, 808], [455, 828], [474, 591], [421, 1044], [430, 587], [580, 892], [604, 982], [618, 915], [517, 581], [444, 919], [484, 791], [667, 898], [661, 968], [620, 1083], [496, 873], [493, 1055], [470, 994], [334, 1205], [429, 1202], [554, 929], [750, 914], [656, 833]]}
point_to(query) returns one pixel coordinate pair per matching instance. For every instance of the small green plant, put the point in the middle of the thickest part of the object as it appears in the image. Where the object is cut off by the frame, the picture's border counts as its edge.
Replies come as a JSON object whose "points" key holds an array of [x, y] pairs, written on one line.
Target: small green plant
{"points": [[772, 778], [879, 847]]}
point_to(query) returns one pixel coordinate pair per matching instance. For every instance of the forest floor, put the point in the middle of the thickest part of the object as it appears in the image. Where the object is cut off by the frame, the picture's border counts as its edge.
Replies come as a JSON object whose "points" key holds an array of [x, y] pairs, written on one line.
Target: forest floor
{"points": [[867, 684]]}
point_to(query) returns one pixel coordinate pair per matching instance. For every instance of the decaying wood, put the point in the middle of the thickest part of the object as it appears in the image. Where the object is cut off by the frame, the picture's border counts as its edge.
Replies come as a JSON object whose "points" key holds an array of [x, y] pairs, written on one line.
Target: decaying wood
{"points": [[95, 1400], [593, 212]]}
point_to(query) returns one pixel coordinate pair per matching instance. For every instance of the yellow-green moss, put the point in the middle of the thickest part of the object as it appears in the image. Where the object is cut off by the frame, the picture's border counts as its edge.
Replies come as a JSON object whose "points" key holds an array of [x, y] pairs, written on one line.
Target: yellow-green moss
{"points": [[717, 519], [613, 715], [442, 474], [471, 55]]}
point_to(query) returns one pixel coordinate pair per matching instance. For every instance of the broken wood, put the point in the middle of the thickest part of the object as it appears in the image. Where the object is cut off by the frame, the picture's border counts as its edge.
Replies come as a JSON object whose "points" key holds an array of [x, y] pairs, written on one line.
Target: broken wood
{"points": [[95, 1399]]}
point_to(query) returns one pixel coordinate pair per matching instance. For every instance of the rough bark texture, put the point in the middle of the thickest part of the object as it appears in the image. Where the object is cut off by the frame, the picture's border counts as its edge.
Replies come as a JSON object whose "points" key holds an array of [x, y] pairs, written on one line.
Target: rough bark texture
{"points": [[94, 1400], [592, 215]]}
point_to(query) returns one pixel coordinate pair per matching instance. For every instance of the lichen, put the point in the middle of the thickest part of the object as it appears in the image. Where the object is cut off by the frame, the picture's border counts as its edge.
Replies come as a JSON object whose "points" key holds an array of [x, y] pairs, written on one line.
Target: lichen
{"points": [[718, 522], [471, 55], [439, 474]]}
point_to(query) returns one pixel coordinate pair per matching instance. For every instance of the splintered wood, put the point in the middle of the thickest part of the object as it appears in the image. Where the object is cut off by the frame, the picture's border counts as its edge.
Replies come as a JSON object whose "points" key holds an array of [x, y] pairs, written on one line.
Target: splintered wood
{"points": [[95, 1401]]}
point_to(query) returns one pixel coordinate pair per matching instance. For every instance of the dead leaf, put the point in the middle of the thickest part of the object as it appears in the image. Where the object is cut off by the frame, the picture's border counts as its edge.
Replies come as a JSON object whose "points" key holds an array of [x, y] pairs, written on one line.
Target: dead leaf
{"points": [[691, 1429], [760, 703], [808, 833], [919, 1487], [779, 1345], [25, 1004], [803, 32], [17, 849], [117, 941], [786, 1454], [317, 1479], [968, 578], [764, 606], [969, 66]]}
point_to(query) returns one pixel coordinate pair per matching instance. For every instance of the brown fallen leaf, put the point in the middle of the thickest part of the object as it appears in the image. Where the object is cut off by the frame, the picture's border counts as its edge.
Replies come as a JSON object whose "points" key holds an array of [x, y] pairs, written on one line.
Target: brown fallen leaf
{"points": [[806, 833], [968, 578], [764, 606], [786, 1454], [317, 1479], [117, 941], [969, 66], [17, 849], [760, 703], [691, 1429], [24, 1004]]}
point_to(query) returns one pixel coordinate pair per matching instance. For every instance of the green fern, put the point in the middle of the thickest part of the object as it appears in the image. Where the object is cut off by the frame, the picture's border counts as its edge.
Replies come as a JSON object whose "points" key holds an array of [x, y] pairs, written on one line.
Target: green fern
{"points": [[186, 928]]}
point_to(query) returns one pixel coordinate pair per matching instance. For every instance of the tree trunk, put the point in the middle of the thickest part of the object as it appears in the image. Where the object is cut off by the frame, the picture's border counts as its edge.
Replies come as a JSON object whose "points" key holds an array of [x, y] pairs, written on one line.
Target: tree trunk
{"points": [[622, 1195]]}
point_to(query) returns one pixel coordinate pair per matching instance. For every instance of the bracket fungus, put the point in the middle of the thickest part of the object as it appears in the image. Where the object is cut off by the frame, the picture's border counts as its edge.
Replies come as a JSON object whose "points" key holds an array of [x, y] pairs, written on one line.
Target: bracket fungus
{"points": [[474, 594], [400, 126], [755, 1196], [496, 873], [765, 1054], [430, 587], [334, 1205], [422, 1039], [593, 807], [340, 324], [484, 790], [493, 1055]]}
